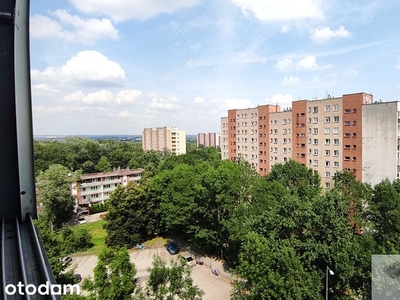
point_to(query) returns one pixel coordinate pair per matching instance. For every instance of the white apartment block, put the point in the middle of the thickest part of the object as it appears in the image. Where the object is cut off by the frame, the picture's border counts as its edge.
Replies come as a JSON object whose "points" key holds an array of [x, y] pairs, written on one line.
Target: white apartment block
{"points": [[381, 142], [162, 138], [97, 187]]}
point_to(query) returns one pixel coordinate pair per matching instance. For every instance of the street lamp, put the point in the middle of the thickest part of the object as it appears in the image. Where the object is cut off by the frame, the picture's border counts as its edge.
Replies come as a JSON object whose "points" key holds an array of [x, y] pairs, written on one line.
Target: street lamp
{"points": [[328, 272]]}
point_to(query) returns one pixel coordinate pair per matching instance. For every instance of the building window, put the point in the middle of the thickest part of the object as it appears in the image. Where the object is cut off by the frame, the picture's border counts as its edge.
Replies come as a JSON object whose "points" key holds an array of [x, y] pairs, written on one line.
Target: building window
{"points": [[347, 147], [336, 142], [354, 123], [347, 158], [315, 130], [346, 123], [327, 152], [327, 163], [327, 174], [327, 141], [354, 134], [335, 119], [309, 120], [315, 163], [315, 120], [327, 107], [335, 152], [354, 147], [335, 130], [354, 158], [315, 152], [347, 135], [327, 130], [336, 107], [315, 109], [336, 164], [347, 111], [354, 110], [327, 119], [315, 142], [327, 185]]}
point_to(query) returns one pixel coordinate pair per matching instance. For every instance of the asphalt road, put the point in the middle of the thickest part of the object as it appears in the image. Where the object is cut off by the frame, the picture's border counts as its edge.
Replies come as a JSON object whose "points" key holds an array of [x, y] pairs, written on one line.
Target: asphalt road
{"points": [[214, 287]]}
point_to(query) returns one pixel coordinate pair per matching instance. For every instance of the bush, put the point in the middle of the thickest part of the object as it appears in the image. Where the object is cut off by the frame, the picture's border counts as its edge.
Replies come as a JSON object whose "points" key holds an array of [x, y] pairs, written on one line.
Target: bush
{"points": [[98, 208]]}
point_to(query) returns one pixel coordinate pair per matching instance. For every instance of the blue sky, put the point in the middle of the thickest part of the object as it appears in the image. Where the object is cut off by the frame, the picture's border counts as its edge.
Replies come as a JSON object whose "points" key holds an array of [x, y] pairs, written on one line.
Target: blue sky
{"points": [[115, 67]]}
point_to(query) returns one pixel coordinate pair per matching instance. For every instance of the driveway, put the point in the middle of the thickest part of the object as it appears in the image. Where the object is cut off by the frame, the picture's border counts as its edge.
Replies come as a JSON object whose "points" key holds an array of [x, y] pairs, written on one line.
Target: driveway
{"points": [[214, 287]]}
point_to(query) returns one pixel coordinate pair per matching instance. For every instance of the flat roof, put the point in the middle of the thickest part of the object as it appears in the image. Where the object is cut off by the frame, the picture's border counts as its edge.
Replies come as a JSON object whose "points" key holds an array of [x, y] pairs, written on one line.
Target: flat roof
{"points": [[119, 172]]}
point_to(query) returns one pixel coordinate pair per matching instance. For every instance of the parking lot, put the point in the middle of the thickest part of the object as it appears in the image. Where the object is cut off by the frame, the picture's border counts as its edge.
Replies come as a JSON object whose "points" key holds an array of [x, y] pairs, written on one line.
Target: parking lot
{"points": [[214, 287]]}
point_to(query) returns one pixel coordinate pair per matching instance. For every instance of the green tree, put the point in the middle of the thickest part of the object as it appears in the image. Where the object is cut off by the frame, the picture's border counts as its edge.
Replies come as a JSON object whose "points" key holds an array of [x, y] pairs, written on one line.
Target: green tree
{"points": [[104, 164], [173, 282], [75, 240], [384, 216], [114, 276], [298, 179], [54, 193], [132, 216], [270, 268]]}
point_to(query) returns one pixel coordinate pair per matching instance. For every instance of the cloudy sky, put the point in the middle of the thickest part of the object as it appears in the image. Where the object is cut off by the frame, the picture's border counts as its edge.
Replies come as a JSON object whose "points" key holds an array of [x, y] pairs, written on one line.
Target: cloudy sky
{"points": [[115, 67]]}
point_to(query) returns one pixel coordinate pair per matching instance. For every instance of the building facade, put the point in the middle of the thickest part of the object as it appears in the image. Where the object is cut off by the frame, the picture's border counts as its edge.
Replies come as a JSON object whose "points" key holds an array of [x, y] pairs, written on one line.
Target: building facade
{"points": [[348, 133], [208, 139], [161, 138], [97, 187]]}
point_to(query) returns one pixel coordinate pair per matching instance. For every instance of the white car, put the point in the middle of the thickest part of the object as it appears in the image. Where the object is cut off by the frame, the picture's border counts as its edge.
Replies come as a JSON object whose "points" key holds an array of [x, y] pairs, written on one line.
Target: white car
{"points": [[81, 220]]}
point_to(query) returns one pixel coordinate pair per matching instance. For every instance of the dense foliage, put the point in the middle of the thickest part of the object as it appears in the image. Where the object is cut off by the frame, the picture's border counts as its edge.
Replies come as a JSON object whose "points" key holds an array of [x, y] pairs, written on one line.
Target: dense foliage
{"points": [[279, 232]]}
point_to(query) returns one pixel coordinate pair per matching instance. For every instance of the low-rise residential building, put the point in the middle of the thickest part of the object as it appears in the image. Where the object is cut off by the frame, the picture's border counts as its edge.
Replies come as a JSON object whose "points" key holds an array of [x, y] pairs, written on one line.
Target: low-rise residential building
{"points": [[97, 187]]}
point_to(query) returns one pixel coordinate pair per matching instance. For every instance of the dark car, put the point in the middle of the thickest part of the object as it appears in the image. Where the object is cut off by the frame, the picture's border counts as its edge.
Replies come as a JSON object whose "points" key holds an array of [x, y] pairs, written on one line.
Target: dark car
{"points": [[172, 248]]}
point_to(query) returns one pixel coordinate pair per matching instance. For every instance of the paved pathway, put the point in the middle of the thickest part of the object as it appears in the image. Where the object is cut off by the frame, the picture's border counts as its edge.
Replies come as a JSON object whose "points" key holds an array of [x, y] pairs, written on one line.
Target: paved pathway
{"points": [[214, 287]]}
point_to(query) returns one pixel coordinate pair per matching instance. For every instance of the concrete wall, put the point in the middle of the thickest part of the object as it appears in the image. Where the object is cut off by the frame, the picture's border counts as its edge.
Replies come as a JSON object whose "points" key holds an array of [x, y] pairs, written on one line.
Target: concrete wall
{"points": [[379, 141]]}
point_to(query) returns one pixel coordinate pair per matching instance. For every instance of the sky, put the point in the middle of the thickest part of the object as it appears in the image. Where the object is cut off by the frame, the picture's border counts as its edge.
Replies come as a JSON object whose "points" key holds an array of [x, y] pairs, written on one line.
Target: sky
{"points": [[116, 67]]}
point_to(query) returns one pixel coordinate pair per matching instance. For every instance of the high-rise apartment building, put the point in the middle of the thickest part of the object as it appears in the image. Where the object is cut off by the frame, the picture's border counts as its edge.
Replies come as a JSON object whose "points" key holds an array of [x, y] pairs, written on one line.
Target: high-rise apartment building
{"points": [[328, 135], [208, 139], [161, 138]]}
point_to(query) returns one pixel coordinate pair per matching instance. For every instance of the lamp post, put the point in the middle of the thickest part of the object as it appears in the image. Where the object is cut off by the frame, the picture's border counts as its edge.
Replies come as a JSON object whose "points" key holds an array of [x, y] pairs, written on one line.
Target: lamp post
{"points": [[328, 272]]}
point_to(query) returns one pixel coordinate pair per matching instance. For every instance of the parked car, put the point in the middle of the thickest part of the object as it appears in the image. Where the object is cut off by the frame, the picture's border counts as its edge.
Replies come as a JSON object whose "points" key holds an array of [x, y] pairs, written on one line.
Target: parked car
{"points": [[78, 278], [189, 260], [81, 220], [172, 248], [65, 260]]}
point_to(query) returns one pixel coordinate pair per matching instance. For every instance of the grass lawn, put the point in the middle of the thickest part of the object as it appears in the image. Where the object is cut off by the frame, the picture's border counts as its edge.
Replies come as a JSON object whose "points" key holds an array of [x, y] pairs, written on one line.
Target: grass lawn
{"points": [[98, 236]]}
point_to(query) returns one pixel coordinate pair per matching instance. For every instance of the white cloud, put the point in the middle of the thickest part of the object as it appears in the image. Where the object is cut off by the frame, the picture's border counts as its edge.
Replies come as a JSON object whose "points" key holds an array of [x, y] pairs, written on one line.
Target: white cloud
{"points": [[163, 104], [352, 72], [236, 103], [198, 100], [103, 97], [125, 114], [72, 28], [398, 63], [122, 10], [128, 96], [280, 99], [322, 35], [283, 10], [87, 67], [284, 64], [285, 28], [292, 80], [44, 87], [93, 66], [308, 63]]}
